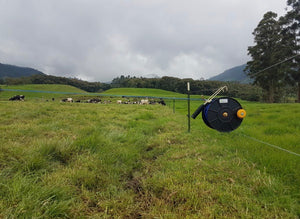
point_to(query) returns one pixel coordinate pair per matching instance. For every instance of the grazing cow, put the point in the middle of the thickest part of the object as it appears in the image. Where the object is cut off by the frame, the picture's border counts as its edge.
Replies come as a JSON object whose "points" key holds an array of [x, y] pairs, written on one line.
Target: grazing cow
{"points": [[69, 100], [119, 101], [106, 101], [94, 100], [162, 102], [152, 102], [17, 97], [144, 102], [127, 101]]}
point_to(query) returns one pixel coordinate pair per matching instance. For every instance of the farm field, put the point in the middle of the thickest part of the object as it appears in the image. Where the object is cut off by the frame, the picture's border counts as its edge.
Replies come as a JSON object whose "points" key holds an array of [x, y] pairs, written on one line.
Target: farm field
{"points": [[131, 161], [46, 88], [143, 92]]}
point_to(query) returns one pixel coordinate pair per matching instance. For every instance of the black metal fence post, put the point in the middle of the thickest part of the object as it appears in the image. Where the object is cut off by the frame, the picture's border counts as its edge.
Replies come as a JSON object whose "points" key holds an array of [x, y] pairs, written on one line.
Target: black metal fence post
{"points": [[189, 107], [174, 105]]}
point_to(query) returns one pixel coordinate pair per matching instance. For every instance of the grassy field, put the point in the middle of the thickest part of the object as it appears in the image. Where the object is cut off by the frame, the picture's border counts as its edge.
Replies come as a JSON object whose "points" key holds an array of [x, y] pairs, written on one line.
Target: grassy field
{"points": [[130, 161], [39, 87], [143, 92]]}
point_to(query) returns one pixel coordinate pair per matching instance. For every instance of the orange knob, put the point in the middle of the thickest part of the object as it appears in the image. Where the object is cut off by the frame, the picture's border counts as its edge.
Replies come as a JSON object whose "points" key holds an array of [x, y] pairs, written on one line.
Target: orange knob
{"points": [[241, 113]]}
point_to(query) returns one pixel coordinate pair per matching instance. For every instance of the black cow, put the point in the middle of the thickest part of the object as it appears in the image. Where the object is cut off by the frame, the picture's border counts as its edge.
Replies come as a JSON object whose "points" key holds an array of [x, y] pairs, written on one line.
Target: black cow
{"points": [[17, 97], [94, 100], [162, 102]]}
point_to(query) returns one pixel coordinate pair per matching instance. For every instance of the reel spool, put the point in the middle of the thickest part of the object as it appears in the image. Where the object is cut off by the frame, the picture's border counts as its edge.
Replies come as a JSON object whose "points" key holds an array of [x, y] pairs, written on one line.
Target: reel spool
{"points": [[224, 114]]}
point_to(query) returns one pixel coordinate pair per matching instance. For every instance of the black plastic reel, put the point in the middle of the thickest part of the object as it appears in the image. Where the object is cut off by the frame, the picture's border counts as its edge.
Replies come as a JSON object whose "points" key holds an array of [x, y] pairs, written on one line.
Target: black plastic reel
{"points": [[221, 114]]}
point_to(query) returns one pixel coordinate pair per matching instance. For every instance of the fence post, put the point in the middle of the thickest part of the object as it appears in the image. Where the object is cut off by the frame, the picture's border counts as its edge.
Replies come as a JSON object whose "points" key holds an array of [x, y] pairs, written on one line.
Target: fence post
{"points": [[174, 105], [189, 107]]}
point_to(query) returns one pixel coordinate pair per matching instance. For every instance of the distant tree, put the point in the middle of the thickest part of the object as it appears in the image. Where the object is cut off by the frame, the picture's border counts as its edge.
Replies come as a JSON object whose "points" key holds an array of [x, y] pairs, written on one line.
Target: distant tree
{"points": [[202, 87], [266, 52], [291, 38], [169, 83]]}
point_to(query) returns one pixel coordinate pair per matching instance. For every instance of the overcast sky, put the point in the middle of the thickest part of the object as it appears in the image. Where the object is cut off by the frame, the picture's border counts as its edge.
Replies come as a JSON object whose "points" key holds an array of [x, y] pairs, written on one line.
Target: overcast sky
{"points": [[97, 40]]}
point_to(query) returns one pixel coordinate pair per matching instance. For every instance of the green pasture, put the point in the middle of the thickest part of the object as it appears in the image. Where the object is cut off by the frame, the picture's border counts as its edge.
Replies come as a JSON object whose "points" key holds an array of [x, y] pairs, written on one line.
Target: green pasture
{"points": [[44, 87], [143, 92], [49, 91], [75, 160], [44, 95]]}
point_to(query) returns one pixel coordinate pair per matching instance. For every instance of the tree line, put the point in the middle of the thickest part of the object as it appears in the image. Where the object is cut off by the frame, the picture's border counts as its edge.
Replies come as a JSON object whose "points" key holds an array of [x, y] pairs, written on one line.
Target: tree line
{"points": [[275, 57], [49, 79], [200, 87]]}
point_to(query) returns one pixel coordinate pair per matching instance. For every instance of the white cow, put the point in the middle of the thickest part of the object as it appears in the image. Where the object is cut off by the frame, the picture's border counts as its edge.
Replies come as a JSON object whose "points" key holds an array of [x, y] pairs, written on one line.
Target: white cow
{"points": [[69, 100], [144, 102]]}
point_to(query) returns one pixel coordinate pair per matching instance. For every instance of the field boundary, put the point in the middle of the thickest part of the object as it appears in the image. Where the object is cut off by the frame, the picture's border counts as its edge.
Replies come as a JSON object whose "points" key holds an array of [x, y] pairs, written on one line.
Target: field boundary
{"points": [[99, 94]]}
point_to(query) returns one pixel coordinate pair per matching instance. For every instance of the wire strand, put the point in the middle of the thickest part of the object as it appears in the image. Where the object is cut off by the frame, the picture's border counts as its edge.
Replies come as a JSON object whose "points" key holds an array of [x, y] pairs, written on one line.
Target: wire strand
{"points": [[278, 63], [271, 145]]}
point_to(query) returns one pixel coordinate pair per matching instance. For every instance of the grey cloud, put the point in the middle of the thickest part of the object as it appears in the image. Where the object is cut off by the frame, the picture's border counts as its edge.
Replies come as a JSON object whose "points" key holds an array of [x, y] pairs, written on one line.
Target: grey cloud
{"points": [[101, 39]]}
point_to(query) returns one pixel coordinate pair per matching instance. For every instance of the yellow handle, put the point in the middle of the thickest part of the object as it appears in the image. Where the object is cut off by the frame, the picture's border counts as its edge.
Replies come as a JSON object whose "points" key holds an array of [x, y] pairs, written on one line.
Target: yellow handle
{"points": [[241, 113]]}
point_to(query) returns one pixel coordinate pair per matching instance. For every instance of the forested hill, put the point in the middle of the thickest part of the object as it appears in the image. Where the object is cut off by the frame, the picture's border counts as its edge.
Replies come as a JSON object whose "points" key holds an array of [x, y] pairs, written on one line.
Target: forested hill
{"points": [[13, 71], [14, 75], [234, 74]]}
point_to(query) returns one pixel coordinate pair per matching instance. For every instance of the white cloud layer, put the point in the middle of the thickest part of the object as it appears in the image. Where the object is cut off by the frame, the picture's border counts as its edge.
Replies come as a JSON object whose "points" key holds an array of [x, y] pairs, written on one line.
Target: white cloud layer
{"points": [[97, 40]]}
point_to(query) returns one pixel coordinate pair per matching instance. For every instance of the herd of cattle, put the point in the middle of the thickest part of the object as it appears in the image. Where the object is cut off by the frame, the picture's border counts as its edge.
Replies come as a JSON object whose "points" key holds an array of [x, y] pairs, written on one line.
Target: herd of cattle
{"points": [[126, 101], [97, 100]]}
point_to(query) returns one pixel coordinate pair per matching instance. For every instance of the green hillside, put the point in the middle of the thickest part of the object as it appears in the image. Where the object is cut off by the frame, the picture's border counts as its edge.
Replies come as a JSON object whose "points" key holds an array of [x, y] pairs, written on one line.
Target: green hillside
{"points": [[143, 92], [44, 88]]}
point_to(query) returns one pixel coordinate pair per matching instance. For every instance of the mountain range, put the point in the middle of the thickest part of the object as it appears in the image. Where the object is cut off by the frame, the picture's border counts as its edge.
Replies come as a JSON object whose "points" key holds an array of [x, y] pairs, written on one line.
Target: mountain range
{"points": [[233, 74], [13, 71]]}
